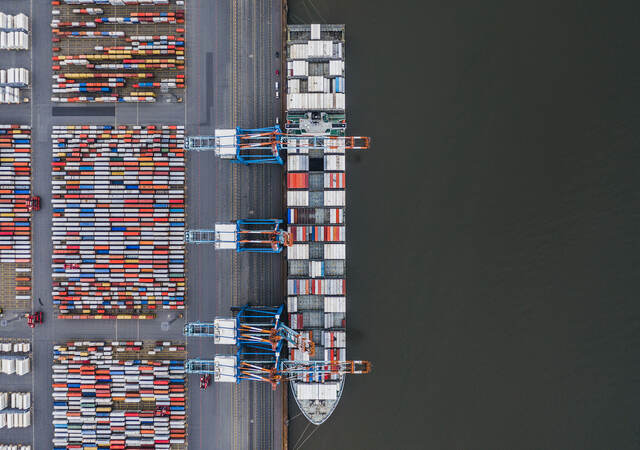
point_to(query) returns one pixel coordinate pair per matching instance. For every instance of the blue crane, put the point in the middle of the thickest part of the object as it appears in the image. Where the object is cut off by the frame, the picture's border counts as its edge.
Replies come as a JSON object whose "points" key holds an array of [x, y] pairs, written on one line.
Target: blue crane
{"points": [[256, 326], [247, 235], [241, 145], [265, 145]]}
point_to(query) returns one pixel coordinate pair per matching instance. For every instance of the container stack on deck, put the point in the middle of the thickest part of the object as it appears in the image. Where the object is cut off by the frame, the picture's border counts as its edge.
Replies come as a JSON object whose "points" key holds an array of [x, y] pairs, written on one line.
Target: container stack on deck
{"points": [[316, 280], [119, 216], [15, 217], [108, 394], [118, 50]]}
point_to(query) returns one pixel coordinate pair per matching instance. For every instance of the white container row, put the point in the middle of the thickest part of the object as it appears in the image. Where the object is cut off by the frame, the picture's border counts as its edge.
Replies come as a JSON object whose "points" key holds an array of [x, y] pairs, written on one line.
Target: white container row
{"points": [[331, 304], [316, 50], [14, 22], [14, 447], [15, 419], [16, 347], [328, 198], [15, 400], [15, 75], [9, 95], [14, 40], [56, 23], [316, 101], [18, 366], [318, 84]]}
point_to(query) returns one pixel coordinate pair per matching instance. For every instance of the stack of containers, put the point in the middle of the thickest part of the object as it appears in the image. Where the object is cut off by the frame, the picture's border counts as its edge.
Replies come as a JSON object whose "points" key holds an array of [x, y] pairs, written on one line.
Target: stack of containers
{"points": [[15, 409], [104, 399], [15, 217], [118, 220], [316, 181], [15, 347], [15, 358], [119, 2], [14, 32], [14, 447], [11, 364], [316, 285], [131, 49], [11, 81]]}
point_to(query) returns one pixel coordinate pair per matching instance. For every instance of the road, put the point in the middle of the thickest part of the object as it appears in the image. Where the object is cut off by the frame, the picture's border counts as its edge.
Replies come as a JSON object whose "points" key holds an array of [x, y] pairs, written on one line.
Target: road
{"points": [[230, 74]]}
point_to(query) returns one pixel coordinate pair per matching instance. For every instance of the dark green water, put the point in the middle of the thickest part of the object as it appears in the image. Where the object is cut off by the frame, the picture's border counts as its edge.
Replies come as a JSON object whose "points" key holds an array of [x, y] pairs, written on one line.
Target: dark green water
{"points": [[494, 250]]}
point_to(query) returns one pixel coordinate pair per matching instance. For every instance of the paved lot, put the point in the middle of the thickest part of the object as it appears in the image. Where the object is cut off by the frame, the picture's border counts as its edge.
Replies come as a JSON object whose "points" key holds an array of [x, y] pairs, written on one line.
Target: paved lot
{"points": [[231, 66]]}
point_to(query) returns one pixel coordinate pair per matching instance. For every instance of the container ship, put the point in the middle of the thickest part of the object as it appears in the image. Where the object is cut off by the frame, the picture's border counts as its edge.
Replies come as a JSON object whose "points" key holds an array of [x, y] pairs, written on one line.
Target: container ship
{"points": [[316, 260]]}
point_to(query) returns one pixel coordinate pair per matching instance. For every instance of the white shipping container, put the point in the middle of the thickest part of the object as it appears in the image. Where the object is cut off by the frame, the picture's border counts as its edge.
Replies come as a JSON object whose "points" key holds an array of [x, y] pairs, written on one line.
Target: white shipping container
{"points": [[294, 86], [297, 162], [317, 391], [300, 68], [315, 31], [334, 198], [335, 304], [334, 162], [316, 269], [297, 198], [292, 304], [335, 251], [298, 51], [298, 251], [336, 67], [315, 84]]}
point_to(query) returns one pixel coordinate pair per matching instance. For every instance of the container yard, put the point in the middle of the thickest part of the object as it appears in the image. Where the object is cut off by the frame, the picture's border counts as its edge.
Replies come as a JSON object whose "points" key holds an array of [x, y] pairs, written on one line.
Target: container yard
{"points": [[112, 231], [118, 51], [118, 221], [119, 395], [15, 217]]}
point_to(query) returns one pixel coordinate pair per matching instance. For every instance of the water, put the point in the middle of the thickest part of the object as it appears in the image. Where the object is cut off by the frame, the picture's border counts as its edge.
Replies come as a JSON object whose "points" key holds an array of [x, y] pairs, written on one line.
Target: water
{"points": [[493, 226]]}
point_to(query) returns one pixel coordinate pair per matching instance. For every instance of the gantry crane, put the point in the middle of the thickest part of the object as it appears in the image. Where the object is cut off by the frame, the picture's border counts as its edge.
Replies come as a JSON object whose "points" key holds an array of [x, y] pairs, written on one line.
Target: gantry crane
{"points": [[240, 145], [264, 145], [257, 366], [247, 235], [257, 326]]}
